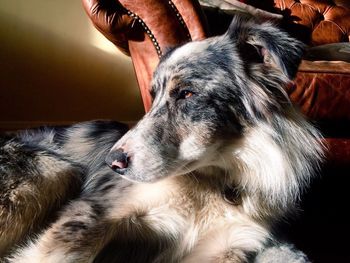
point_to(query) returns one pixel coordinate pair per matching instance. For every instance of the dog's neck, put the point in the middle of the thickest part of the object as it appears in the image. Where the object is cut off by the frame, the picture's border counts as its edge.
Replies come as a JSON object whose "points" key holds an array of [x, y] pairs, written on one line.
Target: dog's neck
{"points": [[268, 168], [218, 180]]}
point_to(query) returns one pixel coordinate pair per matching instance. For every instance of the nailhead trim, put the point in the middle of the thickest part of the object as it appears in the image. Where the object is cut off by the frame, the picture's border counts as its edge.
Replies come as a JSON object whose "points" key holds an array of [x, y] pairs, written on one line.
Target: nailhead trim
{"points": [[147, 30], [181, 20]]}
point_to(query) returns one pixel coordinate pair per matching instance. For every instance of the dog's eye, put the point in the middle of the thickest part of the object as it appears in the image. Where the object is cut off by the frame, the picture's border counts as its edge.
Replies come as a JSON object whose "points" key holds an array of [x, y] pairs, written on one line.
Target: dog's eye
{"points": [[184, 94]]}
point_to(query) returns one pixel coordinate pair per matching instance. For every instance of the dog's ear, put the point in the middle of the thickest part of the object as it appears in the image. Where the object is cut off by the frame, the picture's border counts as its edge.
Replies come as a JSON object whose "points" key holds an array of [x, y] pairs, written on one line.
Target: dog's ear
{"points": [[274, 46]]}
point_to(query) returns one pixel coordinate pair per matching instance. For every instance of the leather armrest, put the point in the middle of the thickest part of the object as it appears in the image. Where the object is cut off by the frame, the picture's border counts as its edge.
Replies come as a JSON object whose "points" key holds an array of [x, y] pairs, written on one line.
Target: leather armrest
{"points": [[329, 52]]}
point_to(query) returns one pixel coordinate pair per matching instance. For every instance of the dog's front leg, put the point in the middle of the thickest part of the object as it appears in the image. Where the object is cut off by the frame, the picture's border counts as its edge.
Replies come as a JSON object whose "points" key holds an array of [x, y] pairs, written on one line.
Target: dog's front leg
{"points": [[234, 243], [86, 227], [77, 236]]}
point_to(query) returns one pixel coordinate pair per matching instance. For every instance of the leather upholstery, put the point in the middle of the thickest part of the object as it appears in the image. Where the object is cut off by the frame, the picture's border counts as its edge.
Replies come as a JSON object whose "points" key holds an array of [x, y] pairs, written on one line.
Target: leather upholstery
{"points": [[320, 22], [322, 91], [328, 22]]}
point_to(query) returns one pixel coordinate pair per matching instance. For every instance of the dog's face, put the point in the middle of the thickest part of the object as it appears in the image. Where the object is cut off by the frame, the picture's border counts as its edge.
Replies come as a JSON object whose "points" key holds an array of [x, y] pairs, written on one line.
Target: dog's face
{"points": [[206, 95]]}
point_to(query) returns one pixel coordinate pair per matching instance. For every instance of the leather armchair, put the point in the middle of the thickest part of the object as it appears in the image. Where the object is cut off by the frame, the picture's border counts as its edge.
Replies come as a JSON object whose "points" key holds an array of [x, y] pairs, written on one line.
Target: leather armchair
{"points": [[145, 29]]}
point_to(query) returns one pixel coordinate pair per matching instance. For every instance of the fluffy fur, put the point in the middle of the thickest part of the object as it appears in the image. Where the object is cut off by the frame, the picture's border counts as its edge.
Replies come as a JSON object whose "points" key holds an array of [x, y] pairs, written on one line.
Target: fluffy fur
{"points": [[41, 169], [221, 128]]}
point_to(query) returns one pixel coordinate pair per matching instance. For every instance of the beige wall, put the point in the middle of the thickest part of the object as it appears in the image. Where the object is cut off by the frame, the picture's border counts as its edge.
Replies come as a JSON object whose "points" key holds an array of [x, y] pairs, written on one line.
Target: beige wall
{"points": [[56, 68]]}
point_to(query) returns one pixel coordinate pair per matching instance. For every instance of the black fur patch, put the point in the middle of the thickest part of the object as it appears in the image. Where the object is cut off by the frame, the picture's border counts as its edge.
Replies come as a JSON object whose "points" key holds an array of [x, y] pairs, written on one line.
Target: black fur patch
{"points": [[100, 128], [74, 226]]}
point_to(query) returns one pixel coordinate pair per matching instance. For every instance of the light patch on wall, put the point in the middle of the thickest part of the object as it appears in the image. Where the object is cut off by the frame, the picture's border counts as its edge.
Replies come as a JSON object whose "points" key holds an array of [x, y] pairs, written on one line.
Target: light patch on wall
{"points": [[102, 43]]}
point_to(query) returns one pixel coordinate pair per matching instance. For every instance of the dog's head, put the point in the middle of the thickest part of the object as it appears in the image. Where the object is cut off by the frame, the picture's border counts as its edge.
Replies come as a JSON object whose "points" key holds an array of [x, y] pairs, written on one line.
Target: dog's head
{"points": [[206, 96]]}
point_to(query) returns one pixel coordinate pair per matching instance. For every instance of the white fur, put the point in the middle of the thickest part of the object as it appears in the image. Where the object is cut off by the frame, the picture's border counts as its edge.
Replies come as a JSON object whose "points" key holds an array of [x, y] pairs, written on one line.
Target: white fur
{"points": [[190, 149]]}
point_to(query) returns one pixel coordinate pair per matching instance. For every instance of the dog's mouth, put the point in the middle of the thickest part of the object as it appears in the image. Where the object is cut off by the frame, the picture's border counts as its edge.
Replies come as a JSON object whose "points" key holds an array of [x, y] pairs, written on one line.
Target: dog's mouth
{"points": [[120, 171]]}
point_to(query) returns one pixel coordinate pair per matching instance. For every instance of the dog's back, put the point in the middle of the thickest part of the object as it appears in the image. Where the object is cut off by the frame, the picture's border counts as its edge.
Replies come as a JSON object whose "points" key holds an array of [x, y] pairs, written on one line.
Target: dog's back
{"points": [[41, 169]]}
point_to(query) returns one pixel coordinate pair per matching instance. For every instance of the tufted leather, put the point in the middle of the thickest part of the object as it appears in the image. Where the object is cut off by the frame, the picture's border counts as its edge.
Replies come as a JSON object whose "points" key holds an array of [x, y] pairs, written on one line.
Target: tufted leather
{"points": [[318, 21], [328, 22]]}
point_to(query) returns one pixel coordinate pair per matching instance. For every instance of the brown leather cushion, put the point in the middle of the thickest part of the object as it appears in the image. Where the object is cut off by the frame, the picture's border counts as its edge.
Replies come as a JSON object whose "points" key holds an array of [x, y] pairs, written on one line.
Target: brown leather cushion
{"points": [[316, 22]]}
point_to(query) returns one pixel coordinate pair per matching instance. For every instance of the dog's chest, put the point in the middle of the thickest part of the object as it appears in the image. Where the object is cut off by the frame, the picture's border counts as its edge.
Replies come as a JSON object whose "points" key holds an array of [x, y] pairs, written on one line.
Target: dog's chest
{"points": [[188, 198], [183, 211]]}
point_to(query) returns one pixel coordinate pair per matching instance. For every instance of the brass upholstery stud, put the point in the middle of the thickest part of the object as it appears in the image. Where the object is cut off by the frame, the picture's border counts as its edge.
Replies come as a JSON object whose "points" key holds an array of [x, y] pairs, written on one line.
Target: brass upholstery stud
{"points": [[181, 20], [147, 30]]}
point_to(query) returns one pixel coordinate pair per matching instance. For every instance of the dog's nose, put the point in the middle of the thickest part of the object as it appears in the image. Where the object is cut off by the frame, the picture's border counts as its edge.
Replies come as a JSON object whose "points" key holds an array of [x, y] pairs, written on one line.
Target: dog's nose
{"points": [[117, 159]]}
